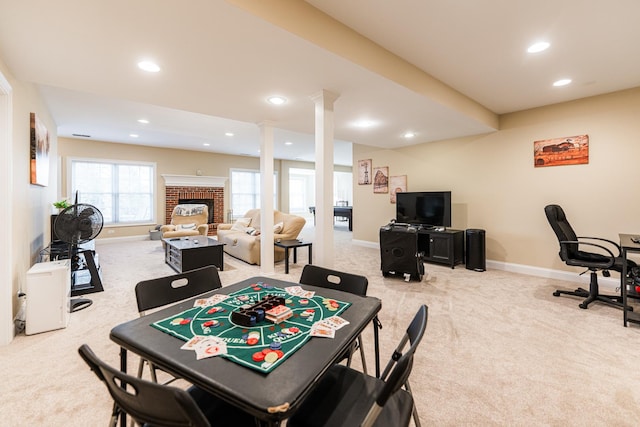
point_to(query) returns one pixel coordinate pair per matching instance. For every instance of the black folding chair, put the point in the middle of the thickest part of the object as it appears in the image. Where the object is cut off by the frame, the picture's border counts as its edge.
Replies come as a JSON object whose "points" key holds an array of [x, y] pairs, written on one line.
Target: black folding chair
{"points": [[149, 403], [347, 282], [156, 293], [346, 397]]}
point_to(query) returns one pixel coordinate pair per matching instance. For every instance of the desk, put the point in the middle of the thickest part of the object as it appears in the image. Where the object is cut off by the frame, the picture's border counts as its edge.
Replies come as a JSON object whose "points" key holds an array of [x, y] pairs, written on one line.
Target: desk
{"points": [[270, 398], [626, 245], [338, 211], [295, 244]]}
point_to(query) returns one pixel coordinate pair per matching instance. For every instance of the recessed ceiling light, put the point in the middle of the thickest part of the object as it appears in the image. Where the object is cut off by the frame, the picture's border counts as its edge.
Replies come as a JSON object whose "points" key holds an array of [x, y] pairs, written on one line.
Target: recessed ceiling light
{"points": [[229, 133], [206, 144], [562, 82], [409, 135], [277, 100], [538, 47], [134, 135], [288, 143], [364, 123], [143, 121], [149, 66]]}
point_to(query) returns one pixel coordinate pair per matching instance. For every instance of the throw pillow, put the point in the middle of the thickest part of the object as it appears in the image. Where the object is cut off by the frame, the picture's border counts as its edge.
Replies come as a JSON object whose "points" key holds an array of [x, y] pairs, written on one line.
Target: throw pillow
{"points": [[241, 224], [191, 226], [277, 228]]}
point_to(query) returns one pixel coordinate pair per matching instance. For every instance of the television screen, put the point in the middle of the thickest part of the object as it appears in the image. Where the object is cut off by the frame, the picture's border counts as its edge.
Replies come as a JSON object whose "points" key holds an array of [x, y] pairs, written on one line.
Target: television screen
{"points": [[429, 208]]}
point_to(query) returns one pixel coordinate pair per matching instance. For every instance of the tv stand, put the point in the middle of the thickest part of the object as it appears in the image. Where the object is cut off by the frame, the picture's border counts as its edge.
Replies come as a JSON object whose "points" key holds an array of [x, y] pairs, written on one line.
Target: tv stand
{"points": [[442, 246], [438, 245]]}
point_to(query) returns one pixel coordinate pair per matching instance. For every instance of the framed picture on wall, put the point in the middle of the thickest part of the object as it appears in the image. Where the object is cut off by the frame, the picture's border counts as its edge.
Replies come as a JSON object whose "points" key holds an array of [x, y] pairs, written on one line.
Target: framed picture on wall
{"points": [[569, 150], [398, 184], [364, 172], [39, 152], [381, 179]]}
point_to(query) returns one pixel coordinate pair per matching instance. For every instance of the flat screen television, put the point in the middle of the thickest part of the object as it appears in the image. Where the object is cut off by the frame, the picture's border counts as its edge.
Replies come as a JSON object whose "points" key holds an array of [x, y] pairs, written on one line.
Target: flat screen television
{"points": [[428, 208]]}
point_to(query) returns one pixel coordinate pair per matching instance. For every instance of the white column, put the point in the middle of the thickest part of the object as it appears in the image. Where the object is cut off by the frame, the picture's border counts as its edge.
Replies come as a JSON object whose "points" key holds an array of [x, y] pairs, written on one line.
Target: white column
{"points": [[266, 198], [6, 180], [323, 241]]}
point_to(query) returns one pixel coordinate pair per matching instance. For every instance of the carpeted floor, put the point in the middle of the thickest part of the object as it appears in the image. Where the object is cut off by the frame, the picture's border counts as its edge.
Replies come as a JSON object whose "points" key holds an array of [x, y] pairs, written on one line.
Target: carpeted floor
{"points": [[499, 349]]}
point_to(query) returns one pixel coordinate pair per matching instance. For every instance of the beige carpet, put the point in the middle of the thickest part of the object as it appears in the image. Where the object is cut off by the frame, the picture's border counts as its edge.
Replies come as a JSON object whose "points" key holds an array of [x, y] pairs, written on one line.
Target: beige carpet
{"points": [[499, 349]]}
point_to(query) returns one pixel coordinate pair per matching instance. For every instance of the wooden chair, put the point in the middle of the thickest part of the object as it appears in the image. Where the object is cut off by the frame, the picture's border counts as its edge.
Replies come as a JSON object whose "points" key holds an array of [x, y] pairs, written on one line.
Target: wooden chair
{"points": [[346, 397], [149, 403], [156, 293], [347, 282]]}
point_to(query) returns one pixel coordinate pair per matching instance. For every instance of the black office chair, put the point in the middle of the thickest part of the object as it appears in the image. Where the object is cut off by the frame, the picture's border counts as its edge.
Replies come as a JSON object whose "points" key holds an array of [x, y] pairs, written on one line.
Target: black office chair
{"points": [[155, 293], [345, 397], [347, 282], [601, 258], [149, 403]]}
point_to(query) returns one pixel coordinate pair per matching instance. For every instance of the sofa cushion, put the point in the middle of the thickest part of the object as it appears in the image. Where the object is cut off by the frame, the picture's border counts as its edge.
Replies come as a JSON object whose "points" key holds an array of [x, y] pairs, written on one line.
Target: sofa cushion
{"points": [[241, 224]]}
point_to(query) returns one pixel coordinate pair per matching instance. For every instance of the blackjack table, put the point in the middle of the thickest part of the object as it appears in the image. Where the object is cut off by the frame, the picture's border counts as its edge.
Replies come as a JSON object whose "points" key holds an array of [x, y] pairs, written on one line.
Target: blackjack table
{"points": [[272, 393]]}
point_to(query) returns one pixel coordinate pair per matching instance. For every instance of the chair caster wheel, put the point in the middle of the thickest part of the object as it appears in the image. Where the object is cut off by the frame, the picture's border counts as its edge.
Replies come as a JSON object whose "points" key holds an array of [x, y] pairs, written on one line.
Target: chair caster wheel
{"points": [[583, 306], [556, 294]]}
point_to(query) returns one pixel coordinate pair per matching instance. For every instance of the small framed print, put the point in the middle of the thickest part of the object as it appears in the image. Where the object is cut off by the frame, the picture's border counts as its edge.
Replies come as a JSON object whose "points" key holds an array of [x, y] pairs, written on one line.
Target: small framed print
{"points": [[364, 172], [381, 179], [39, 167], [398, 184]]}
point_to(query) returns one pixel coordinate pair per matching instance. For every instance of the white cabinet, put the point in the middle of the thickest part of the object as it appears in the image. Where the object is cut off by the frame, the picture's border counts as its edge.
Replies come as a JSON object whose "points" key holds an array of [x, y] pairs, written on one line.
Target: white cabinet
{"points": [[48, 291]]}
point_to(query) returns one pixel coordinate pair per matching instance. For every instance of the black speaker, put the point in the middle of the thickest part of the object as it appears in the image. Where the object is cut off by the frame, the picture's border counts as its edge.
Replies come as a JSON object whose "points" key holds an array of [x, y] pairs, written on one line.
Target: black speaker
{"points": [[399, 252], [476, 254]]}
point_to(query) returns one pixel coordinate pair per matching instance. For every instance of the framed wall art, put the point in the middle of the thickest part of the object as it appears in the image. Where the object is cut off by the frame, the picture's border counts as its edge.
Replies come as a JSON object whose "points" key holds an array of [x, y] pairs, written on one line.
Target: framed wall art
{"points": [[398, 184], [570, 150], [381, 179], [39, 152], [364, 172]]}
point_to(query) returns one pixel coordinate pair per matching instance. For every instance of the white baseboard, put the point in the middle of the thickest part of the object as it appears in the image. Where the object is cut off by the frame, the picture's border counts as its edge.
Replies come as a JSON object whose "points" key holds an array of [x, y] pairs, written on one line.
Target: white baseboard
{"points": [[606, 283]]}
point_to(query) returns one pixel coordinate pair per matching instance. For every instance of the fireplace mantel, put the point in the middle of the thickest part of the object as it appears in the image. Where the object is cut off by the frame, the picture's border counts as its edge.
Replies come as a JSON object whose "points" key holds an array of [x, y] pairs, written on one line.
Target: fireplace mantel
{"points": [[193, 181]]}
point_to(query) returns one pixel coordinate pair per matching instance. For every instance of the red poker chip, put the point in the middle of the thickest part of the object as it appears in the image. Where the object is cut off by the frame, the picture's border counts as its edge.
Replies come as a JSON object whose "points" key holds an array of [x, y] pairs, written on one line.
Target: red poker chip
{"points": [[258, 356], [294, 329], [252, 341], [212, 310], [208, 323], [266, 350], [280, 354], [185, 321], [334, 304]]}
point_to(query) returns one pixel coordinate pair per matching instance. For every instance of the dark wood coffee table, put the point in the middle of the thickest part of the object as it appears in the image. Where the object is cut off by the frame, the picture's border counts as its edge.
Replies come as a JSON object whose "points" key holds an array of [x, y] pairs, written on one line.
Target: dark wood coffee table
{"points": [[188, 253], [295, 244]]}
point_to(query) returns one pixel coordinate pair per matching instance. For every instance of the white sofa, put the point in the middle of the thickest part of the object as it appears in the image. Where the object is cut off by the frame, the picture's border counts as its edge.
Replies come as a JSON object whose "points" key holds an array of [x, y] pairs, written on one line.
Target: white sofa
{"points": [[245, 246]]}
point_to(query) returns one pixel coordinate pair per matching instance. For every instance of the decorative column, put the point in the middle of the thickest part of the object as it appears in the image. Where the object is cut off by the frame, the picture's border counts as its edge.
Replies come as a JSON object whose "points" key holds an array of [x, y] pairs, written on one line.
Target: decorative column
{"points": [[323, 240], [266, 198]]}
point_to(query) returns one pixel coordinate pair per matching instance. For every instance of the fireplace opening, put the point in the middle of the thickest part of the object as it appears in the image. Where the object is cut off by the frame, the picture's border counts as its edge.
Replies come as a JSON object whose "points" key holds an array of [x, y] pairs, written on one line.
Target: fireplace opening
{"points": [[208, 202]]}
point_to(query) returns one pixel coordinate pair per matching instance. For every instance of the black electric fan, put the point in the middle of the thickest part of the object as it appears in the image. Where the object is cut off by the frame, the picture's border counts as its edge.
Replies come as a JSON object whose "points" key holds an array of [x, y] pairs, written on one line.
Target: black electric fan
{"points": [[76, 225]]}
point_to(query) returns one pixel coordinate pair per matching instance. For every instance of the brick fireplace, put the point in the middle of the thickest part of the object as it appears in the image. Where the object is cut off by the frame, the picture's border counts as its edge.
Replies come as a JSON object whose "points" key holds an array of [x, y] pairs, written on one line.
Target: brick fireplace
{"points": [[192, 188]]}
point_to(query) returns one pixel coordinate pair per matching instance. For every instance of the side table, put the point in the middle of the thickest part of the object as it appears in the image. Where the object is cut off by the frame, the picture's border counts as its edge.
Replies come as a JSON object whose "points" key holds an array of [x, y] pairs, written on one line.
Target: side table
{"points": [[295, 244]]}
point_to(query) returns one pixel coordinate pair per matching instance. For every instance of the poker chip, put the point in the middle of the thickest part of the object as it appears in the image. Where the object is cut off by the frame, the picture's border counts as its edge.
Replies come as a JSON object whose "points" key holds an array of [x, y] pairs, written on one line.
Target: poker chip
{"points": [[257, 288], [276, 345], [185, 321], [304, 301], [258, 356], [294, 330], [280, 354], [208, 323], [266, 350], [254, 334], [252, 341], [212, 310], [177, 321], [271, 357]]}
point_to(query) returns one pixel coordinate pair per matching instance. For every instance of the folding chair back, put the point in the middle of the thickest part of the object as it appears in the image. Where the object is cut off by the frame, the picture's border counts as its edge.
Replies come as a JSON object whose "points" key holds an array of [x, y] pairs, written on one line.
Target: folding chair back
{"points": [[166, 290], [332, 279], [146, 402]]}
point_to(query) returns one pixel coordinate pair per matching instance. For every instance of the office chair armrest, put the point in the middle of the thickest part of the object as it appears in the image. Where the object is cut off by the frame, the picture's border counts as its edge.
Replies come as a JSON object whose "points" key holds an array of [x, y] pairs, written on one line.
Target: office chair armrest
{"points": [[611, 242], [583, 262]]}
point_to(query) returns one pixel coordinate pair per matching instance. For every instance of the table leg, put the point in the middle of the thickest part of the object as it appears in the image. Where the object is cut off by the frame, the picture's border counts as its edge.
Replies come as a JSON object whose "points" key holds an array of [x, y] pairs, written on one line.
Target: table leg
{"points": [[123, 368], [623, 287], [310, 258], [286, 260], [295, 255]]}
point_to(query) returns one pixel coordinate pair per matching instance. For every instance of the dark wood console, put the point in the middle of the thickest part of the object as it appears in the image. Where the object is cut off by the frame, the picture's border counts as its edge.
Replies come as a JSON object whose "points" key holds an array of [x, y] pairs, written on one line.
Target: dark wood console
{"points": [[442, 247]]}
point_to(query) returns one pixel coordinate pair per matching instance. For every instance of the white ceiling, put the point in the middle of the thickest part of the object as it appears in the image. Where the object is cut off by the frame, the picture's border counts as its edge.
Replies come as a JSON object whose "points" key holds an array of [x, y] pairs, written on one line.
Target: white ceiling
{"points": [[220, 60]]}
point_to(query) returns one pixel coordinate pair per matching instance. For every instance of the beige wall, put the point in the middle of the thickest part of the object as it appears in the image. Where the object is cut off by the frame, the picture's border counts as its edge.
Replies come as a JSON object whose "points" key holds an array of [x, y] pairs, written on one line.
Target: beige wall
{"points": [[495, 186], [28, 231], [171, 161]]}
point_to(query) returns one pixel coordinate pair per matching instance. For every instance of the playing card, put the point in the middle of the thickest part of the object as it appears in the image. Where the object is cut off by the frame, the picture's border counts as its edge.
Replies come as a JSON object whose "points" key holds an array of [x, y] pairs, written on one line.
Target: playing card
{"points": [[210, 347], [318, 330], [335, 322], [191, 344]]}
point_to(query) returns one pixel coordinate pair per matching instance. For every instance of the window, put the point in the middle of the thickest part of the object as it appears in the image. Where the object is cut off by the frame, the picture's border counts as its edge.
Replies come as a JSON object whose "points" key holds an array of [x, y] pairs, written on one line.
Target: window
{"points": [[245, 191], [302, 190], [122, 191]]}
